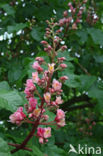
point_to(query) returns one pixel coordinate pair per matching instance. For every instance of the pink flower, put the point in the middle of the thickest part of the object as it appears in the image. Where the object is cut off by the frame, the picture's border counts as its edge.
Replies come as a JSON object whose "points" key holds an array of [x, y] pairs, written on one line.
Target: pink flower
{"points": [[18, 116], [56, 85], [47, 97], [47, 132], [63, 65], [51, 67], [35, 77], [61, 123], [40, 132], [30, 85], [37, 112], [28, 92], [60, 118], [37, 67], [60, 114], [58, 100], [32, 103]]}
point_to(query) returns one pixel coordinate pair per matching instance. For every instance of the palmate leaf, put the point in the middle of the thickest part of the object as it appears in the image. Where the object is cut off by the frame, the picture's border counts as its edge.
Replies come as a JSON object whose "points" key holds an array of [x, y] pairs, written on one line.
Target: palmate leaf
{"points": [[4, 149]]}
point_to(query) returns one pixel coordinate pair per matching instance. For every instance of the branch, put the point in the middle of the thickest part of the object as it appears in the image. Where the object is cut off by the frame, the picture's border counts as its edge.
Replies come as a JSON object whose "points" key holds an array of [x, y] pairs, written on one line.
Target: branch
{"points": [[88, 105], [74, 100], [16, 145], [84, 69], [22, 145]]}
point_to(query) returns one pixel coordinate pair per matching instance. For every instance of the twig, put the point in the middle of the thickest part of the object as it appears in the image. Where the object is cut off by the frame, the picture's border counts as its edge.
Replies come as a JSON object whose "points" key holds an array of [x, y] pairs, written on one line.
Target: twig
{"points": [[84, 69], [16, 145]]}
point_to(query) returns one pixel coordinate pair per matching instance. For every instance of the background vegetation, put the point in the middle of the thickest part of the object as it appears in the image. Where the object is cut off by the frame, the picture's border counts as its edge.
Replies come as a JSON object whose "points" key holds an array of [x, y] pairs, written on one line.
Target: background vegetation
{"points": [[22, 27]]}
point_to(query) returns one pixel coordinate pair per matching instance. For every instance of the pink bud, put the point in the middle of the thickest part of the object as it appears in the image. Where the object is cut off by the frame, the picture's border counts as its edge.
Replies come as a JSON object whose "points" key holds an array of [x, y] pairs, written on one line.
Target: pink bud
{"points": [[41, 140], [44, 42], [93, 123], [65, 13], [40, 132], [63, 78], [79, 13], [59, 31], [78, 20], [39, 59], [62, 21], [37, 66], [69, 4], [68, 20], [61, 59], [30, 85], [63, 66], [63, 47]]}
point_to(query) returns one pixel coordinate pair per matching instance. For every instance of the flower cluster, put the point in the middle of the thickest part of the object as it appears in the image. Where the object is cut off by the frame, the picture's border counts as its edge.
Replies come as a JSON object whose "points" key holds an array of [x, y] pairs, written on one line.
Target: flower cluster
{"points": [[43, 134], [18, 116], [73, 16], [51, 94]]}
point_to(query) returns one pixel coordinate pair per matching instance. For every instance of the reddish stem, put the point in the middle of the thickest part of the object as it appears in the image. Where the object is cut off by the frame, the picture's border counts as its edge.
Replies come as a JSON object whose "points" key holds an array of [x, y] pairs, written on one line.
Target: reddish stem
{"points": [[16, 145], [48, 123], [27, 138]]}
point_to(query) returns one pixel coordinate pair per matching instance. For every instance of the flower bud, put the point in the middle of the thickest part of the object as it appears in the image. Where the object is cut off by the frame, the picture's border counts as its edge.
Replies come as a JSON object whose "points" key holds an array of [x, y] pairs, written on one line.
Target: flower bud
{"points": [[44, 42], [63, 66], [63, 47], [65, 13]]}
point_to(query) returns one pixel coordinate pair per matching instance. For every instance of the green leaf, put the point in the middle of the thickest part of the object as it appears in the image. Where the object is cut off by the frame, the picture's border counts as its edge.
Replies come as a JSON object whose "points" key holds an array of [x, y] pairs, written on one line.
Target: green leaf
{"points": [[86, 82], [97, 35], [10, 100], [16, 27], [54, 151], [8, 9], [36, 151], [4, 149], [99, 58], [37, 34], [51, 115], [83, 35], [4, 85], [66, 55]]}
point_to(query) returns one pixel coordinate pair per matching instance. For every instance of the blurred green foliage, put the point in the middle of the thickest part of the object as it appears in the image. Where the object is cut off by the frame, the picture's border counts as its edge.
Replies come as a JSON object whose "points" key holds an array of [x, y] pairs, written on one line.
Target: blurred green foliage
{"points": [[22, 27]]}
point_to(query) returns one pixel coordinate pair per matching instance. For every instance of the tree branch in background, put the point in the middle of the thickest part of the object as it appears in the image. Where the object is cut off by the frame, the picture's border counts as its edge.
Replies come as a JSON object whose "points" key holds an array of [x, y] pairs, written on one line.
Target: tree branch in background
{"points": [[75, 100], [88, 105]]}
